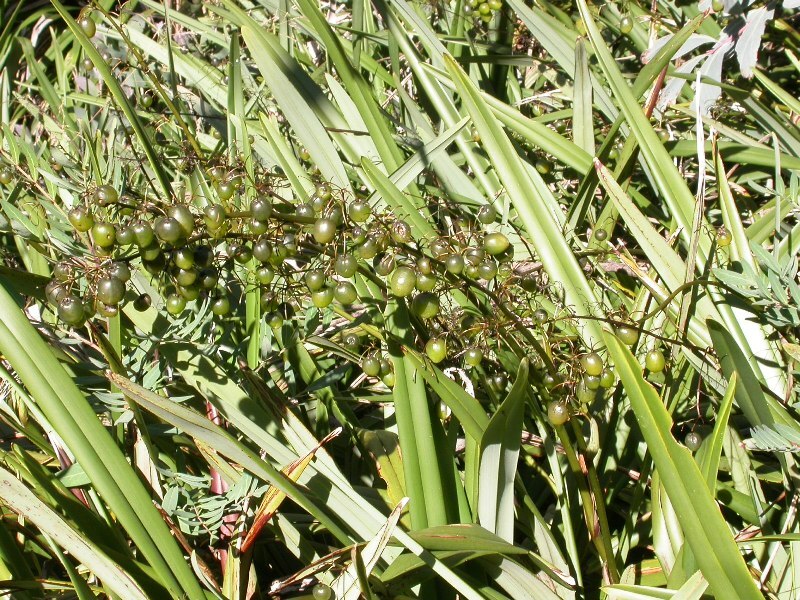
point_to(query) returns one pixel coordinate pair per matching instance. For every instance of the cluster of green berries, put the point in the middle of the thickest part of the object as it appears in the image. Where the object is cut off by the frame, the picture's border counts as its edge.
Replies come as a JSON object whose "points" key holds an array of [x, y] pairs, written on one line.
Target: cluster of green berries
{"points": [[482, 10], [311, 253], [596, 377]]}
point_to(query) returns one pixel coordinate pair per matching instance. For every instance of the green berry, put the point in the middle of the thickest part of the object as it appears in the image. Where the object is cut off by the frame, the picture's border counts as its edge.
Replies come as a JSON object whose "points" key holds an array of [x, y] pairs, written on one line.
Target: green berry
{"points": [[345, 293], [371, 366], [487, 214], [324, 230], [592, 363], [400, 231], [81, 218], [6, 176], [487, 270], [324, 191], [305, 211], [425, 305], [473, 357], [322, 298], [321, 592], [189, 292], [495, 243], [62, 271], [125, 236], [87, 25], [424, 265], [383, 264], [557, 413], [475, 256], [54, 291], [184, 217], [425, 283], [654, 361], [627, 335], [352, 342], [257, 227], [168, 230], [144, 234], [583, 393], [592, 382], [262, 250], [183, 258], [358, 211], [261, 209], [221, 306], [315, 279], [105, 195], [454, 263], [226, 189], [105, 310], [142, 303], [175, 304], [693, 441], [724, 237], [71, 310], [214, 217], [388, 379], [607, 378], [265, 275], [104, 234], [110, 290], [436, 349], [346, 265], [186, 277], [625, 25], [403, 281], [274, 320]]}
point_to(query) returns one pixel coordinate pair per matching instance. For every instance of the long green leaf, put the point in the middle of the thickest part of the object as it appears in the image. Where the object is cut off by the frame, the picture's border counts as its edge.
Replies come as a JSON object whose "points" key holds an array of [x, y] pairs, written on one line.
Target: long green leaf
{"points": [[498, 463], [711, 451], [294, 90], [75, 421], [532, 200], [467, 409], [120, 98], [25, 503], [582, 122], [703, 526], [669, 181]]}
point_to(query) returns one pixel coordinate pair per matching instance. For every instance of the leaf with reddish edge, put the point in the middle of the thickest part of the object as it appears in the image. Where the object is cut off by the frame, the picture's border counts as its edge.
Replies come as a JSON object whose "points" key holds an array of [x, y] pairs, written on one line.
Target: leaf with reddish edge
{"points": [[274, 497]]}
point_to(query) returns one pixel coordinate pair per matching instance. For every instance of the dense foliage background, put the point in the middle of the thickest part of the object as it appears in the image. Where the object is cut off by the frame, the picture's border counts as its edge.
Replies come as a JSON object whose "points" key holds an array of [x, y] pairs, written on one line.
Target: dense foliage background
{"points": [[399, 299]]}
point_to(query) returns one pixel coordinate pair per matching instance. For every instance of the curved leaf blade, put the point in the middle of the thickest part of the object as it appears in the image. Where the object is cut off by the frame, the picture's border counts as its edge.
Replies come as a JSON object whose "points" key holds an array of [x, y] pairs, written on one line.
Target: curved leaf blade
{"points": [[703, 526]]}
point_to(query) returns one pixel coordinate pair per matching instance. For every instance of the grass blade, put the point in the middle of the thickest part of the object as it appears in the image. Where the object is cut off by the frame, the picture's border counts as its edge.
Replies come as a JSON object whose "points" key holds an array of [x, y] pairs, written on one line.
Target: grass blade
{"points": [[703, 526], [292, 89], [120, 98], [540, 223], [498, 464], [25, 503], [711, 451], [75, 421], [670, 183]]}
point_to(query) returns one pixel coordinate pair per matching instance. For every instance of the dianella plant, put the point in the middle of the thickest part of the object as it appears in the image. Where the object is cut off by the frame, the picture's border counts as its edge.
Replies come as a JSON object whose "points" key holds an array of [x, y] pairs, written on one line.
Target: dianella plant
{"points": [[399, 299]]}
